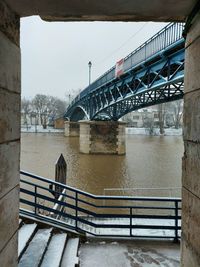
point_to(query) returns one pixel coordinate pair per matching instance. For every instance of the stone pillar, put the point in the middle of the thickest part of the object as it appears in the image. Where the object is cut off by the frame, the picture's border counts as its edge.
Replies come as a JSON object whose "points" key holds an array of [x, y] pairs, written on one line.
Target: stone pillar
{"points": [[191, 160], [72, 128], [9, 134], [102, 137]]}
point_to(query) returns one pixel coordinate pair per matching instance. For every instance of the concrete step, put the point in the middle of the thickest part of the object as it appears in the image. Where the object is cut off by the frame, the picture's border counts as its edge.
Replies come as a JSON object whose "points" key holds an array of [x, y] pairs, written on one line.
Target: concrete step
{"points": [[26, 233], [53, 255], [70, 258], [34, 253]]}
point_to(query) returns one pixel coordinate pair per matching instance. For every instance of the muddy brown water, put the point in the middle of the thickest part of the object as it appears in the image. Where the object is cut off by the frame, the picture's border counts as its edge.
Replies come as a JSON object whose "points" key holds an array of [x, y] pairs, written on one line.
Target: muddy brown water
{"points": [[150, 162]]}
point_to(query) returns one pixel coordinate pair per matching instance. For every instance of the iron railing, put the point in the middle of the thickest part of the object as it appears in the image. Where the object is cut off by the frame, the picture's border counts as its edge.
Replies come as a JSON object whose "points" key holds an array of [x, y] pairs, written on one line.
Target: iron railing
{"points": [[164, 39], [149, 217]]}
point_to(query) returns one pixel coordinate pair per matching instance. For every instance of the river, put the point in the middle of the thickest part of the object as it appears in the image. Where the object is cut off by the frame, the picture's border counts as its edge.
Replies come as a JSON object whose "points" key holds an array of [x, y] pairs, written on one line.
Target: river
{"points": [[150, 162]]}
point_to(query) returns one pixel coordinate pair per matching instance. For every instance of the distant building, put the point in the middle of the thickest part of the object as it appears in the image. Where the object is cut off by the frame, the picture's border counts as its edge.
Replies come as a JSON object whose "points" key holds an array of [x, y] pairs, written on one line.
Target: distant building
{"points": [[59, 123]]}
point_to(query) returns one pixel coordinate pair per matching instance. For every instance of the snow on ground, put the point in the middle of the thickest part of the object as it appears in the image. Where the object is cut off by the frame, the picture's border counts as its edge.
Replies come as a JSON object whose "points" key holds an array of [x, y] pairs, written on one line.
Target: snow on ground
{"points": [[137, 131], [126, 231], [143, 131], [135, 253], [39, 129]]}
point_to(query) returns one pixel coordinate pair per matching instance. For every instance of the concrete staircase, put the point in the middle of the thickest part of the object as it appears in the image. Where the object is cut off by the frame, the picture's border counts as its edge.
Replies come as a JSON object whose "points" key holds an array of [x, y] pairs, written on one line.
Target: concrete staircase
{"points": [[46, 246]]}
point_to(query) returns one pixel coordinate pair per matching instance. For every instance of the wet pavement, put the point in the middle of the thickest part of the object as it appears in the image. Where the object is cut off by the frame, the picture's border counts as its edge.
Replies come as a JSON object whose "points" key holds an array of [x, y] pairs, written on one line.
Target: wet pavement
{"points": [[137, 253]]}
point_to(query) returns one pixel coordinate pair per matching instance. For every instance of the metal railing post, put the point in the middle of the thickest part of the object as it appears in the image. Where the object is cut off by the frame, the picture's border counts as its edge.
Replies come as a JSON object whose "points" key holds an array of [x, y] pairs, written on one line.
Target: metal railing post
{"points": [[131, 221], [176, 222], [35, 199], [76, 221]]}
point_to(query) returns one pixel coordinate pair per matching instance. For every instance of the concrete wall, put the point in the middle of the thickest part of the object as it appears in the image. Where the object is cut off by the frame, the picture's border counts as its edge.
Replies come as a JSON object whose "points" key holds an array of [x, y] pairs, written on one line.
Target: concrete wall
{"points": [[99, 137], [191, 159], [9, 134]]}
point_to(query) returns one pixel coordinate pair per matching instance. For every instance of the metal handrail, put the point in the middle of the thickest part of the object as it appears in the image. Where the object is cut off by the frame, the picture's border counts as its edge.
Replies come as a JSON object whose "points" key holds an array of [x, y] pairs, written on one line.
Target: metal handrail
{"points": [[83, 213]]}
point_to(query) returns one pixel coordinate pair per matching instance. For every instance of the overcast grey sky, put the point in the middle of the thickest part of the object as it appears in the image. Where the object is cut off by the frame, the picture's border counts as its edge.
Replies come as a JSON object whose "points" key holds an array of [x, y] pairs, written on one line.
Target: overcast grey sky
{"points": [[55, 55]]}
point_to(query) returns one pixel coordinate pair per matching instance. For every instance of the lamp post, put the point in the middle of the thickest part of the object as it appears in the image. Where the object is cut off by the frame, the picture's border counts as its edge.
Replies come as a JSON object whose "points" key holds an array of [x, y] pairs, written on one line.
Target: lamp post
{"points": [[89, 65]]}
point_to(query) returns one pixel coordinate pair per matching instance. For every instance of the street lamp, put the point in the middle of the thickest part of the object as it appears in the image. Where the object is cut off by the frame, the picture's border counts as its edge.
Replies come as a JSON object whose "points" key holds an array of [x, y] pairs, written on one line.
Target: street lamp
{"points": [[89, 65]]}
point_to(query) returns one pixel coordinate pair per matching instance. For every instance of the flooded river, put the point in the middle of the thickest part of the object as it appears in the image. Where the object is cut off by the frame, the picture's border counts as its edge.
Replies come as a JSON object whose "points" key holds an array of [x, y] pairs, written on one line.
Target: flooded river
{"points": [[150, 162]]}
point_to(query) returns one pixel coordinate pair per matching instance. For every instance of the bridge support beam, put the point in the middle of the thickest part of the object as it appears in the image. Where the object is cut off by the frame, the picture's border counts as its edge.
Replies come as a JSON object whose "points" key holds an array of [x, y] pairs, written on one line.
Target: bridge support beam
{"points": [[72, 128], [102, 137], [191, 159]]}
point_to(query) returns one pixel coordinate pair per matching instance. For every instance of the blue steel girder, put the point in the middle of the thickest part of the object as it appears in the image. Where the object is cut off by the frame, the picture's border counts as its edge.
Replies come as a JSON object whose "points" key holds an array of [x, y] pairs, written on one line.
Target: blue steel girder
{"points": [[156, 79], [151, 85]]}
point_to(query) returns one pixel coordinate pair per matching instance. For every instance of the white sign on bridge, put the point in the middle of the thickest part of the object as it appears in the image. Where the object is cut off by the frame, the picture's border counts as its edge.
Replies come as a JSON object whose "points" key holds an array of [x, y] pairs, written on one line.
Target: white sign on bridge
{"points": [[119, 68]]}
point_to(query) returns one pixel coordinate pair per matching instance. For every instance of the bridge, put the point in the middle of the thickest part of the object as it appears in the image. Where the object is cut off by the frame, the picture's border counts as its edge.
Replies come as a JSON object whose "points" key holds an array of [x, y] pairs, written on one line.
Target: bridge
{"points": [[152, 74]]}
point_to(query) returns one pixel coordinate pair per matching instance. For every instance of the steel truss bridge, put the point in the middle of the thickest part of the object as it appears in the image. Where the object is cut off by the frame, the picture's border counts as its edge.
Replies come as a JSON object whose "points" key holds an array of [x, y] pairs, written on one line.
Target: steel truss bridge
{"points": [[152, 74]]}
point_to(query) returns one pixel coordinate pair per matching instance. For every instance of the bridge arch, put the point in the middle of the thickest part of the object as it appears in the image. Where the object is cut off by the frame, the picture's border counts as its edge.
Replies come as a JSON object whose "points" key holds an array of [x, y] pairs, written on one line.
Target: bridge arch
{"points": [[78, 113]]}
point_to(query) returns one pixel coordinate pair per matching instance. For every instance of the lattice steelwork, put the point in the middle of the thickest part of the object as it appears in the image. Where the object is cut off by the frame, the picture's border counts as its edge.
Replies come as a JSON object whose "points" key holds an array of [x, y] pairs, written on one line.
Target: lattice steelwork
{"points": [[152, 77]]}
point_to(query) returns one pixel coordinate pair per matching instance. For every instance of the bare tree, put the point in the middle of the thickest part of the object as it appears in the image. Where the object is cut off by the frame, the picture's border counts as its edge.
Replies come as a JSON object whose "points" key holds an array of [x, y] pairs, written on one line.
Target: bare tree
{"points": [[40, 103], [148, 123], [48, 107], [161, 117], [178, 112], [26, 109]]}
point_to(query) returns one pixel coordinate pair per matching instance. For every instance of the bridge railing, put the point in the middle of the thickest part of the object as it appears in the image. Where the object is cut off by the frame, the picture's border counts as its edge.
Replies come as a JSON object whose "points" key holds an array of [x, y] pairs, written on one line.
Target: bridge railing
{"points": [[151, 217], [162, 40]]}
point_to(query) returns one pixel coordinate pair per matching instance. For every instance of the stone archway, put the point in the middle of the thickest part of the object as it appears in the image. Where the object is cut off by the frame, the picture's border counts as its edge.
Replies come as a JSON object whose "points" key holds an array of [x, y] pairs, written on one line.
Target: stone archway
{"points": [[118, 10]]}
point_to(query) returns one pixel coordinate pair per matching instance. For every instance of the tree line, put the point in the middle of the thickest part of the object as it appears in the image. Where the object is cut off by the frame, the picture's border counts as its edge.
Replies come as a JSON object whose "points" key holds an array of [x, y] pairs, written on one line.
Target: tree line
{"points": [[164, 115], [43, 108]]}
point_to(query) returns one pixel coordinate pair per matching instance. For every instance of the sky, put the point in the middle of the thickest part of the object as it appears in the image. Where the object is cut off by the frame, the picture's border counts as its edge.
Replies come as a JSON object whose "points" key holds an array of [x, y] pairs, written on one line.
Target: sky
{"points": [[55, 55]]}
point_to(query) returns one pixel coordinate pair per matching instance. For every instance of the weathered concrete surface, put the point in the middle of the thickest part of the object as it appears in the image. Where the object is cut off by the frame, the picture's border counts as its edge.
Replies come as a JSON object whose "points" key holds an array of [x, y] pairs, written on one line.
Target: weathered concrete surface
{"points": [[102, 137], [9, 222], [8, 257], [10, 60], [84, 140], [72, 128], [133, 253], [192, 80], [9, 116], [190, 258], [191, 159], [190, 226], [191, 125], [9, 134], [9, 23], [191, 168], [137, 10], [9, 165]]}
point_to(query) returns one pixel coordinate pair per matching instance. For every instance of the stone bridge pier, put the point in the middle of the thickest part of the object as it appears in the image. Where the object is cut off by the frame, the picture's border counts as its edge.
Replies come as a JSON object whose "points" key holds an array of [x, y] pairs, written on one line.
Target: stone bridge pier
{"points": [[72, 128], [102, 137]]}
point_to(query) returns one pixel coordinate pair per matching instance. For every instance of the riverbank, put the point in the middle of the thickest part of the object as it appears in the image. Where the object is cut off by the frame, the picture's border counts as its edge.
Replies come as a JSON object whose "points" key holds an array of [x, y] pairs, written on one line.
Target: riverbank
{"points": [[40, 129], [156, 132], [129, 130]]}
